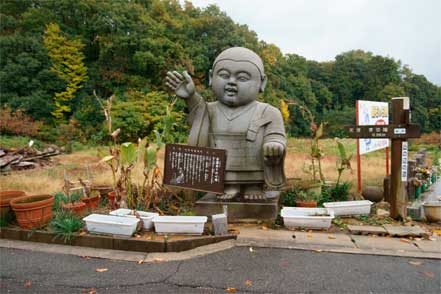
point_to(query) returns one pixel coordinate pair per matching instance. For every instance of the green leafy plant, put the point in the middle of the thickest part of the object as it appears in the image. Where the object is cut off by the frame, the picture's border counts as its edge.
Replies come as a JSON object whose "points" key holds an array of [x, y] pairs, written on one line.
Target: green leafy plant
{"points": [[343, 161], [65, 224]]}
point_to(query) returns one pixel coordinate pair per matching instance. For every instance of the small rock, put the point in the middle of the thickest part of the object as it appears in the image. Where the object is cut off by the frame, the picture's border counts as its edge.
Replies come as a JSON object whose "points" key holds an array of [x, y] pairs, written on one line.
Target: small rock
{"points": [[382, 212], [382, 205]]}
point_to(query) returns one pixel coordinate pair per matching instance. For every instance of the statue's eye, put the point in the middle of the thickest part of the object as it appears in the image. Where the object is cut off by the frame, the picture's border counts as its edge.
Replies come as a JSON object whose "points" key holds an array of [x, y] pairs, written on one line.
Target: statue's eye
{"points": [[224, 75], [242, 78]]}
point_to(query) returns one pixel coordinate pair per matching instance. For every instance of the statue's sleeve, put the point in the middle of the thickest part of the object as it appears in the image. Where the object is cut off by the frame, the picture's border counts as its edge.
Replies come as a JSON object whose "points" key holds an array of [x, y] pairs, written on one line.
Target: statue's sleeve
{"points": [[274, 173], [275, 130], [198, 120]]}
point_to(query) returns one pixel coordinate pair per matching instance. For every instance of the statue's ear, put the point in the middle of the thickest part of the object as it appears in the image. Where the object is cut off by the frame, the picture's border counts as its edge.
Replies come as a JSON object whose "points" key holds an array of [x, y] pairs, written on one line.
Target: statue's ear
{"points": [[210, 77], [263, 83]]}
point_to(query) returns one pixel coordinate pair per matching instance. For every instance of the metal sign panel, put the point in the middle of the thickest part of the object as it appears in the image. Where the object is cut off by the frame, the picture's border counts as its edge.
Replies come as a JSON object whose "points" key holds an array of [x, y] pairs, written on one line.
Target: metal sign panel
{"points": [[194, 168], [404, 159], [372, 113], [388, 131]]}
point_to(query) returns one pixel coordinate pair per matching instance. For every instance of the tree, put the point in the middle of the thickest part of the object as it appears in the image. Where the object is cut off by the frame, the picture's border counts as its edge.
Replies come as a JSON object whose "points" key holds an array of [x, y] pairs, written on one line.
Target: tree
{"points": [[67, 63]]}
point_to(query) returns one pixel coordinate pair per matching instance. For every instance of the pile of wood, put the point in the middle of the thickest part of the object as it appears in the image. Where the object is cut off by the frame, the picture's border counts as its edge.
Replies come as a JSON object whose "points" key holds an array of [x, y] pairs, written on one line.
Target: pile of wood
{"points": [[26, 158]]}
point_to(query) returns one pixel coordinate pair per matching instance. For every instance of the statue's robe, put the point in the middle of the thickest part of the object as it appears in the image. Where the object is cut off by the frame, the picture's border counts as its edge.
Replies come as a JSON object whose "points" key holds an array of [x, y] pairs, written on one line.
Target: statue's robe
{"points": [[242, 131]]}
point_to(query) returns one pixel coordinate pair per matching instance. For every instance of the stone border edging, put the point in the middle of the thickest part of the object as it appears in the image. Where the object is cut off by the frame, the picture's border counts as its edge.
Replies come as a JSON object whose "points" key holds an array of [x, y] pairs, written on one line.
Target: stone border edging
{"points": [[115, 243]]}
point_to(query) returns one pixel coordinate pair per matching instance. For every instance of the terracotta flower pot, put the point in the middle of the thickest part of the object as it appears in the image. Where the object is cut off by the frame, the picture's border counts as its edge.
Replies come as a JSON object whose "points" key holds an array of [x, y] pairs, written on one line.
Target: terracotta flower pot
{"points": [[111, 196], [5, 198], [91, 202], [78, 207], [306, 203], [33, 211]]}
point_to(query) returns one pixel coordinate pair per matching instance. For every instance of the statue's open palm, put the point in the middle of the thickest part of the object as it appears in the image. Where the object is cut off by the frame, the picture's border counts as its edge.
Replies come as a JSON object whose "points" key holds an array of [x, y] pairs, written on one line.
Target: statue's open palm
{"points": [[181, 84]]}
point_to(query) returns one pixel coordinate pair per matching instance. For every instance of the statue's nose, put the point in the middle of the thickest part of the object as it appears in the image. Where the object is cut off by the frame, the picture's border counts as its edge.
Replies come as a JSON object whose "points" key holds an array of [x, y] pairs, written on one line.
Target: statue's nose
{"points": [[232, 81]]}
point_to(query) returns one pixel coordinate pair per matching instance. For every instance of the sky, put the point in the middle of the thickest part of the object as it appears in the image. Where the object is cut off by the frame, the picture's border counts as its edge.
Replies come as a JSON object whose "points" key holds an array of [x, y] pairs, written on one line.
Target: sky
{"points": [[408, 30]]}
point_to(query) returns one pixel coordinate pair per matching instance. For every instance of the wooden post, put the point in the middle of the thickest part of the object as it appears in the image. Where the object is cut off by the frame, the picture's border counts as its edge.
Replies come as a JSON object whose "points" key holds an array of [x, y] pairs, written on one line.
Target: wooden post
{"points": [[397, 191]]}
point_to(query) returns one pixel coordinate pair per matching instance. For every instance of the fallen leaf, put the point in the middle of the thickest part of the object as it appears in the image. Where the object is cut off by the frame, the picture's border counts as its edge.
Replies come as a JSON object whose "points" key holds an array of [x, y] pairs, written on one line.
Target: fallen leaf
{"points": [[251, 249], [231, 289], [309, 231], [318, 250], [331, 237], [101, 270], [27, 284], [137, 236], [248, 283], [432, 239], [309, 235], [429, 274], [141, 261], [159, 259], [415, 263], [418, 239], [404, 240], [89, 291], [83, 233], [264, 227], [85, 257], [437, 231]]}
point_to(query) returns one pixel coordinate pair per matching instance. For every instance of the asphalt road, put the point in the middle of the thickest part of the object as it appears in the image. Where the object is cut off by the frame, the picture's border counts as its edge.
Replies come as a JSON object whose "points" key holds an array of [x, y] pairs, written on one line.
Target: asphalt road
{"points": [[260, 270]]}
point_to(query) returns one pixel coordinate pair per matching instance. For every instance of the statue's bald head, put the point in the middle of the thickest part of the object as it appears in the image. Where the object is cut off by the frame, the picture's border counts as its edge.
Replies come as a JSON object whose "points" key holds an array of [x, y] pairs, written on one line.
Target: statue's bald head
{"points": [[241, 54]]}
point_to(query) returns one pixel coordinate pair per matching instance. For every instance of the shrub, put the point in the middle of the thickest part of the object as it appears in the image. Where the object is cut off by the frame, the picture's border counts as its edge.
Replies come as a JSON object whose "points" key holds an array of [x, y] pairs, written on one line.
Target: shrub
{"points": [[17, 123], [65, 224]]}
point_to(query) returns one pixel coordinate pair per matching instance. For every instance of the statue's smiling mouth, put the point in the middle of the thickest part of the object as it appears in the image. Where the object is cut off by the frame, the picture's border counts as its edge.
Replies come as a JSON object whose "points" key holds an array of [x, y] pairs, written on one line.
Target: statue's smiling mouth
{"points": [[230, 91]]}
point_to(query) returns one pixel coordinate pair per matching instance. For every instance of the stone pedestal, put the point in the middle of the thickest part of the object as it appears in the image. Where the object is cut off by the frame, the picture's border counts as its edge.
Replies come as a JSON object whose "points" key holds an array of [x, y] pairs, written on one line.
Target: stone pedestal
{"points": [[239, 211]]}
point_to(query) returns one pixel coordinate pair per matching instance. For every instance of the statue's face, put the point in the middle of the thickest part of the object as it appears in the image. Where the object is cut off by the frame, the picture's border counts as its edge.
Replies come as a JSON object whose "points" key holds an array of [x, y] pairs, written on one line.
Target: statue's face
{"points": [[235, 83]]}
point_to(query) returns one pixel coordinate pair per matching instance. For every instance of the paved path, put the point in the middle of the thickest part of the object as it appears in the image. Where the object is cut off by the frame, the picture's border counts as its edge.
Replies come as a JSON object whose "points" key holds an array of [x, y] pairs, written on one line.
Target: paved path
{"points": [[260, 270], [434, 191]]}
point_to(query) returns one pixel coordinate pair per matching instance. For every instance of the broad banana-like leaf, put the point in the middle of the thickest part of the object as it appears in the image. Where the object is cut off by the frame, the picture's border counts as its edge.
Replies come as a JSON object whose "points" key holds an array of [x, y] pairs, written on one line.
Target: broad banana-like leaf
{"points": [[107, 158], [319, 132], [158, 140], [128, 153], [150, 158]]}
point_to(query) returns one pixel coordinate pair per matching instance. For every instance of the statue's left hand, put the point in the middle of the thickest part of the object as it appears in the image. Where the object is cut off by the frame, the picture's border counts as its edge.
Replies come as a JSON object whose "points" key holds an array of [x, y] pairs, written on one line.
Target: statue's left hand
{"points": [[273, 151]]}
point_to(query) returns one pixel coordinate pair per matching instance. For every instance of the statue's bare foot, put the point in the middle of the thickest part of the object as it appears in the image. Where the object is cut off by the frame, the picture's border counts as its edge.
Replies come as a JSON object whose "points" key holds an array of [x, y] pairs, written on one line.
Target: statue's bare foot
{"points": [[230, 192]]}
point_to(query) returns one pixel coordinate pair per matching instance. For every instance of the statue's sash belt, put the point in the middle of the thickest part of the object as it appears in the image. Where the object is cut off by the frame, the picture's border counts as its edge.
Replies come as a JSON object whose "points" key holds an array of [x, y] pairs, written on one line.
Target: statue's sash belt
{"points": [[254, 127]]}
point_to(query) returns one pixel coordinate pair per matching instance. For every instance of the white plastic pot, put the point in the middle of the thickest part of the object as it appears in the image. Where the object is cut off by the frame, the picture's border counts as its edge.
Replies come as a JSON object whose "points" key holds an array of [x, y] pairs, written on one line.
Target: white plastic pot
{"points": [[147, 217], [309, 218], [179, 224], [110, 224], [359, 207], [432, 211]]}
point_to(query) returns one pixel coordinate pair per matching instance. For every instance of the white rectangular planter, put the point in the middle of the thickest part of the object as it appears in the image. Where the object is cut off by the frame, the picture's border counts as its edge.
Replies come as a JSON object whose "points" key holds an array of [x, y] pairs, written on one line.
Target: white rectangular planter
{"points": [[179, 224], [147, 217], [309, 218], [359, 207], [110, 224]]}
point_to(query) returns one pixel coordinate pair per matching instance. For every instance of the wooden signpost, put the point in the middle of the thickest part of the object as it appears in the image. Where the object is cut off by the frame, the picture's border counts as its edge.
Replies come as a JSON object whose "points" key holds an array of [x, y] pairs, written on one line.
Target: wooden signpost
{"points": [[398, 131]]}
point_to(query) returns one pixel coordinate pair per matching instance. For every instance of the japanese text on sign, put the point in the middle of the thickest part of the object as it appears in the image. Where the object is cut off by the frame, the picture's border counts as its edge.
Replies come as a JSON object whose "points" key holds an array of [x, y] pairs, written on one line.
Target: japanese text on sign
{"points": [[195, 168], [404, 158]]}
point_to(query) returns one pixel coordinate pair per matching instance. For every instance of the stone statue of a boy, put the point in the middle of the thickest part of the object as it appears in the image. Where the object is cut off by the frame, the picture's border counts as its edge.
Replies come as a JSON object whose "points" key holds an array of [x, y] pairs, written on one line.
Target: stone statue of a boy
{"points": [[252, 132]]}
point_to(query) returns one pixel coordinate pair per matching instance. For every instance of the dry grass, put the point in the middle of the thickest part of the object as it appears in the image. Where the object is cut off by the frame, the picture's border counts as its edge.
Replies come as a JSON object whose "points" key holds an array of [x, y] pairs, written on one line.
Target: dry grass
{"points": [[50, 179]]}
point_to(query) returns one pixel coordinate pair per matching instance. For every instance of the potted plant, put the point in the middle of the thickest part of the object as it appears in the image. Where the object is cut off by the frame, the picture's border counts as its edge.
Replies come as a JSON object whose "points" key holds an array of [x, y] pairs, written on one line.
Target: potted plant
{"points": [[90, 197], [73, 203], [305, 199], [417, 184], [33, 211], [5, 198]]}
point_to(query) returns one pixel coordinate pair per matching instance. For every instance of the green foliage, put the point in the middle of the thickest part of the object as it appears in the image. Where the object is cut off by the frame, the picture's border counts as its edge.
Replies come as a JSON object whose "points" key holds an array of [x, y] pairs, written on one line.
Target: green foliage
{"points": [[59, 198], [127, 47], [19, 142], [65, 224], [67, 64], [338, 192]]}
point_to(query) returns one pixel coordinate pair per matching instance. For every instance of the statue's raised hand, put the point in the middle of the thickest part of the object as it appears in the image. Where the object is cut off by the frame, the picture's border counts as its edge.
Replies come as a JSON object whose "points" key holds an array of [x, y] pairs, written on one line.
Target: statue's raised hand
{"points": [[181, 84]]}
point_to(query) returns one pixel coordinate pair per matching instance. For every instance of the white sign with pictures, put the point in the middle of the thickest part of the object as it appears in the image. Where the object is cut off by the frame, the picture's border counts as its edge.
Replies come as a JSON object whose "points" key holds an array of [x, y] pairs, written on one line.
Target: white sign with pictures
{"points": [[372, 113]]}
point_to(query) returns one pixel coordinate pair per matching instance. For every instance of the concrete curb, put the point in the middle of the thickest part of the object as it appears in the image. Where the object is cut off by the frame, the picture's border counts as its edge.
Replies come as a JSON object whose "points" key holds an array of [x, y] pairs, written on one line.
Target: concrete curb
{"points": [[250, 242]]}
